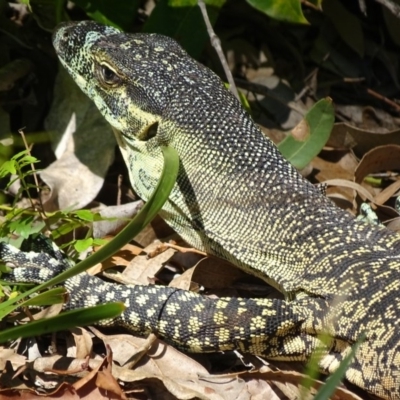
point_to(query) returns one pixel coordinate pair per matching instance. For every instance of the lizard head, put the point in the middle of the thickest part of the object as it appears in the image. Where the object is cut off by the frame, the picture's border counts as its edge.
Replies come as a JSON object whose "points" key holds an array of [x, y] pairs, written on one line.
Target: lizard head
{"points": [[128, 76]]}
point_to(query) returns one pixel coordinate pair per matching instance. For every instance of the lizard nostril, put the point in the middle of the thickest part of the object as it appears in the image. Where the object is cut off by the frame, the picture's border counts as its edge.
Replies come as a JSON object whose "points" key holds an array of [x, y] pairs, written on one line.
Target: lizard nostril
{"points": [[65, 35]]}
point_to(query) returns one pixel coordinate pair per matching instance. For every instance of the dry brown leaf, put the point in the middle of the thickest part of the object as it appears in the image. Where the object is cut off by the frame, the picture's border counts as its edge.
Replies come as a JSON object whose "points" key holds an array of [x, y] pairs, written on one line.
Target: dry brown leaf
{"points": [[123, 257], [141, 268], [214, 273], [334, 165], [105, 380], [184, 280], [83, 343], [183, 249], [184, 383], [381, 158], [352, 185], [10, 355], [157, 229], [296, 378], [180, 374], [259, 390], [361, 140], [124, 346], [387, 193], [82, 137], [64, 392], [394, 225], [102, 377], [160, 358]]}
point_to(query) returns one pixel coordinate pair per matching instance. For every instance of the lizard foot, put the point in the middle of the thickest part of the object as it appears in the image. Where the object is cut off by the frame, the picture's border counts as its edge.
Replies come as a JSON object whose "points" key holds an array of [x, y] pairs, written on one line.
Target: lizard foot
{"points": [[38, 260]]}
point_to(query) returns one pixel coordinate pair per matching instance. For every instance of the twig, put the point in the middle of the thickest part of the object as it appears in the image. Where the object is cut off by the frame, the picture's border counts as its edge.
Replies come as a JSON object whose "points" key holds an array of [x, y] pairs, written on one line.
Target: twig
{"points": [[384, 99], [354, 80], [119, 193], [216, 43]]}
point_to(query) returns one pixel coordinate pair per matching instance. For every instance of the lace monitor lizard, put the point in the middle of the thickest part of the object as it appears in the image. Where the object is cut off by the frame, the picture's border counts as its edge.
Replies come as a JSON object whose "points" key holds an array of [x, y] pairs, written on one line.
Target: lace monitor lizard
{"points": [[236, 198]]}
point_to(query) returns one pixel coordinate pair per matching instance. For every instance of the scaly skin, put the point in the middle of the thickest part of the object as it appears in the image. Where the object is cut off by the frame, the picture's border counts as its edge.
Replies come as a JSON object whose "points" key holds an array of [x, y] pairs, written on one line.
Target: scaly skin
{"points": [[238, 199]]}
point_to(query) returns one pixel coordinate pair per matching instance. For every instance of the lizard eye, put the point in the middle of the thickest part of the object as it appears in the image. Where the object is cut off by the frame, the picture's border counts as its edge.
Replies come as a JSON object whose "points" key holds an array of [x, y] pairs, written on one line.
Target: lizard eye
{"points": [[107, 76]]}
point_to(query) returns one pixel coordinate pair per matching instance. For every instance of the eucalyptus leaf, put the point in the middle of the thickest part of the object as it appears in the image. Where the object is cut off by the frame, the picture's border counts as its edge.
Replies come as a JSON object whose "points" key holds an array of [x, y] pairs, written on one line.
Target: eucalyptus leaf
{"points": [[318, 123]]}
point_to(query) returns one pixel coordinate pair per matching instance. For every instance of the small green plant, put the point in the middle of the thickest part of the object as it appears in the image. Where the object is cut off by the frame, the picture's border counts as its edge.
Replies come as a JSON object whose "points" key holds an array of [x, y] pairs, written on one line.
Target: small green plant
{"points": [[23, 222]]}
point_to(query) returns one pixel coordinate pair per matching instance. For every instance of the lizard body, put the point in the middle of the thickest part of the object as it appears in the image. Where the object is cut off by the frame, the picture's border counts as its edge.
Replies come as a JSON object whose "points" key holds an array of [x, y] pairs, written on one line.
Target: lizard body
{"points": [[238, 199]]}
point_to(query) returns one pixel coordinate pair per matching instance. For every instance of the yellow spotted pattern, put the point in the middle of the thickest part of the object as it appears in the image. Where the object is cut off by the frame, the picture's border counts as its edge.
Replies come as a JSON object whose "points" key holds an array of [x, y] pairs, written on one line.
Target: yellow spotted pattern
{"points": [[238, 199]]}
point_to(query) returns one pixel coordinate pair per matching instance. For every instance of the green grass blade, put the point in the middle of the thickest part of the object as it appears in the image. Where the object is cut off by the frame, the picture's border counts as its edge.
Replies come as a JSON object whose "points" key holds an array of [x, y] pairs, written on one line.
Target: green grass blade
{"points": [[66, 320], [312, 371], [336, 378], [49, 297]]}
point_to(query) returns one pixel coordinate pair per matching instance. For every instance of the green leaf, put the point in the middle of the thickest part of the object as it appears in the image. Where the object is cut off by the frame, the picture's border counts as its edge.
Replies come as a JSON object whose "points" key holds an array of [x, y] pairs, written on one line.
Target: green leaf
{"points": [[99, 242], [66, 320], [85, 215], [319, 120], [288, 10], [4, 268], [65, 228], [36, 227], [7, 168], [29, 160], [44, 12], [20, 155], [83, 244], [392, 25], [22, 226]]}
